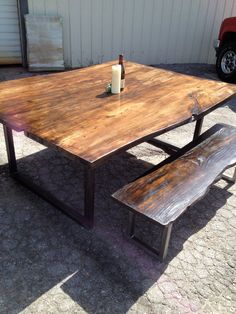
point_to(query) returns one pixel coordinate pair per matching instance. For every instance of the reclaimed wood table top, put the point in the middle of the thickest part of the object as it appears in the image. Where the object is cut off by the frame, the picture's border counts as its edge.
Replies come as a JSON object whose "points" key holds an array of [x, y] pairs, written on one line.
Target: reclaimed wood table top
{"points": [[71, 111]]}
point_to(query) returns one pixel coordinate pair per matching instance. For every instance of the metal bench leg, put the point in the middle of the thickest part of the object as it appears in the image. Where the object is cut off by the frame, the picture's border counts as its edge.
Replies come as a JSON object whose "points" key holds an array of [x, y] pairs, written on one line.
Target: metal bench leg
{"points": [[165, 241]]}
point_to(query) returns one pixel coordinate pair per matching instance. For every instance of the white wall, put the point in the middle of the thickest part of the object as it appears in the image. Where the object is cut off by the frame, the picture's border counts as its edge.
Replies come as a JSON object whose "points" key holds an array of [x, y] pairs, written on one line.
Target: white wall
{"points": [[10, 48], [147, 31]]}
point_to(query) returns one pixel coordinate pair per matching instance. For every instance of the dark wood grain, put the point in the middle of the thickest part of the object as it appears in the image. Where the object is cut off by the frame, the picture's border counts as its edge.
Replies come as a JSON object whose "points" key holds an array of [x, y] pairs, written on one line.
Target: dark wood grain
{"points": [[165, 193], [71, 111]]}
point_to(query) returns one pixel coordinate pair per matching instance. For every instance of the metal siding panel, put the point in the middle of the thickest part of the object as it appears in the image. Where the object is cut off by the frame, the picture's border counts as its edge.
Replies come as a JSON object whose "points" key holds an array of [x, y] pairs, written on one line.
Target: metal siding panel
{"points": [[192, 28], [146, 32], [31, 6], [50, 8], [183, 38], [137, 53], [156, 32], [215, 30], [97, 55], [128, 28], [75, 26], [206, 40], [186, 36], [39, 7], [107, 29], [117, 33], [199, 31], [86, 38], [172, 38], [63, 11], [149, 32], [165, 29], [233, 13], [228, 8]]}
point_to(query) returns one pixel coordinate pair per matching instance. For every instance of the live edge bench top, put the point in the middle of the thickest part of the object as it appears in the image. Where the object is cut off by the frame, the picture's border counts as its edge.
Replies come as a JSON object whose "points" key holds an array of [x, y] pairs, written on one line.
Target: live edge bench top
{"points": [[165, 193], [70, 110]]}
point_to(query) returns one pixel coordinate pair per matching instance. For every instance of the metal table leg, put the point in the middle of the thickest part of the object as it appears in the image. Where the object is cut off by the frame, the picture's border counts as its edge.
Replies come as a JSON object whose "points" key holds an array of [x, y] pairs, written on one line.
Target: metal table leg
{"points": [[87, 219], [89, 189], [10, 149], [198, 129], [131, 224]]}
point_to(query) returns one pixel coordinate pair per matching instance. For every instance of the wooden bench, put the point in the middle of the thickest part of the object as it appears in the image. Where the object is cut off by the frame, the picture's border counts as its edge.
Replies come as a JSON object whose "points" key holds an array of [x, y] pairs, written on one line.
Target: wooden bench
{"points": [[164, 193]]}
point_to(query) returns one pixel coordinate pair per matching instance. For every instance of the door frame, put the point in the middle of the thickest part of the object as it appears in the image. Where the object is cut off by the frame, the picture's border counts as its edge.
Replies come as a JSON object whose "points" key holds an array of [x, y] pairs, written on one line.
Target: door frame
{"points": [[22, 6]]}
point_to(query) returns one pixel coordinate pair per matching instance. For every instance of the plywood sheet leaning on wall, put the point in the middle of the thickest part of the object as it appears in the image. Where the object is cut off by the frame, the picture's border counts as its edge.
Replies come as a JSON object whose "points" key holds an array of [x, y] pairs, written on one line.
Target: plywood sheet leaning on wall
{"points": [[44, 43]]}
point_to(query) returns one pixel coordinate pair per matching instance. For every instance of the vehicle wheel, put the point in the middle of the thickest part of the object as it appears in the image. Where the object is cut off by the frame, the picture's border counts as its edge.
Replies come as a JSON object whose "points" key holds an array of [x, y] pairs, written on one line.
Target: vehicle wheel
{"points": [[226, 62]]}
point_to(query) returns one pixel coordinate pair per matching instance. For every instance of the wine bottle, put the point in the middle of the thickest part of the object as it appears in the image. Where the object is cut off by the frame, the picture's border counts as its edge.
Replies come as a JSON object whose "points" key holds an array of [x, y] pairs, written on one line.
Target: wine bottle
{"points": [[121, 62]]}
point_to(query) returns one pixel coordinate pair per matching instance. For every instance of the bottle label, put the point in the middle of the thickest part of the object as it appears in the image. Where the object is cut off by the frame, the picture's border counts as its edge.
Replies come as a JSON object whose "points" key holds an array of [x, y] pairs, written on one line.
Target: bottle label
{"points": [[122, 83]]}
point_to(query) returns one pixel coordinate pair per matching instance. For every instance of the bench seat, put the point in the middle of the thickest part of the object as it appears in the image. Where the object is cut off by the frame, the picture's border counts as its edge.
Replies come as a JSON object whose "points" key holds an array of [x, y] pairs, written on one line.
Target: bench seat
{"points": [[169, 189]]}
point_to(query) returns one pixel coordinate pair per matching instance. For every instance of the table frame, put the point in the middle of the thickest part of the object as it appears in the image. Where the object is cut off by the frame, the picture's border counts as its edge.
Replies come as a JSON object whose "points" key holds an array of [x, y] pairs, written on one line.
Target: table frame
{"points": [[87, 219]]}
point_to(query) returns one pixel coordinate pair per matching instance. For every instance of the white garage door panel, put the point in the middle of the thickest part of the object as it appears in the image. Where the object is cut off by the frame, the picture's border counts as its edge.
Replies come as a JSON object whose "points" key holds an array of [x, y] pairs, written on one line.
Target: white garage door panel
{"points": [[5, 38], [11, 54], [10, 51], [8, 28], [4, 14], [7, 2], [6, 21], [11, 48], [9, 9]]}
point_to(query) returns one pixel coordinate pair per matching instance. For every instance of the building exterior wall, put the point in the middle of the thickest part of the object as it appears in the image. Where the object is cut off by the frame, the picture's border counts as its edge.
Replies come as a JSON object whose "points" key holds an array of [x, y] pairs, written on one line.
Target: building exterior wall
{"points": [[10, 47], [146, 31]]}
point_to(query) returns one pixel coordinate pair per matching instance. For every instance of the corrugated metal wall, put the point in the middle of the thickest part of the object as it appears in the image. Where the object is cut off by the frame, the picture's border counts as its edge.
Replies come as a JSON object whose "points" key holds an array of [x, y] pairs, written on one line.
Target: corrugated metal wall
{"points": [[147, 31], [10, 48]]}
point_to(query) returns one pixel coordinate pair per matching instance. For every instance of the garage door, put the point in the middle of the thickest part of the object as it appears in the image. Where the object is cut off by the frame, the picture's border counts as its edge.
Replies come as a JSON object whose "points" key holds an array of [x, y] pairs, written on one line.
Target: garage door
{"points": [[10, 51]]}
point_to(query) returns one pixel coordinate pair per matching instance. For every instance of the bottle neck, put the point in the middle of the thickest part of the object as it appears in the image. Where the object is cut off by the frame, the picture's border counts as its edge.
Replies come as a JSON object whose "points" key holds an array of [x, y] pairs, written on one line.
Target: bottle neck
{"points": [[121, 59]]}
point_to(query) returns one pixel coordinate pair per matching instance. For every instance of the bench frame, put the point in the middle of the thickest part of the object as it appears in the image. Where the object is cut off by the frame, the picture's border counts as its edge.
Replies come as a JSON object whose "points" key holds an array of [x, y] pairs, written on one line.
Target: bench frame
{"points": [[166, 232]]}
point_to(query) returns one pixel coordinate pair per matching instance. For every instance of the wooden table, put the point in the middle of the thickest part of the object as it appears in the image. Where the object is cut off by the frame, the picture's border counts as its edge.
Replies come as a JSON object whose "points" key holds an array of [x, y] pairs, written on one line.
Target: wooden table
{"points": [[70, 112]]}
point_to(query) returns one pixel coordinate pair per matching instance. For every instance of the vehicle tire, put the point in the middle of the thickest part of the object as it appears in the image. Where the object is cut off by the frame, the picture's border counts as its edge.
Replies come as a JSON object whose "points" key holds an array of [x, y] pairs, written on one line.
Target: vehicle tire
{"points": [[226, 62]]}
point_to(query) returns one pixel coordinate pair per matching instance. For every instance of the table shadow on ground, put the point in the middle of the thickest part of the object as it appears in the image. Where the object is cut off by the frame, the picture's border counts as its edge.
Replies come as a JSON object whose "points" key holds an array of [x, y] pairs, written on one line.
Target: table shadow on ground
{"points": [[232, 105], [41, 247]]}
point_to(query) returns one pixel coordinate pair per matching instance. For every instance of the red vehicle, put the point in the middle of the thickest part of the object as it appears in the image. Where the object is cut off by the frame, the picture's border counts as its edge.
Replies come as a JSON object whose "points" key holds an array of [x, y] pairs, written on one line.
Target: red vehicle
{"points": [[226, 51]]}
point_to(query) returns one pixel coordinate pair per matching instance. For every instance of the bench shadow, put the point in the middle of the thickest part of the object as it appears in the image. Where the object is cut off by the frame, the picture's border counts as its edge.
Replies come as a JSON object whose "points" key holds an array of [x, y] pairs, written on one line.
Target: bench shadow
{"points": [[101, 269]]}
